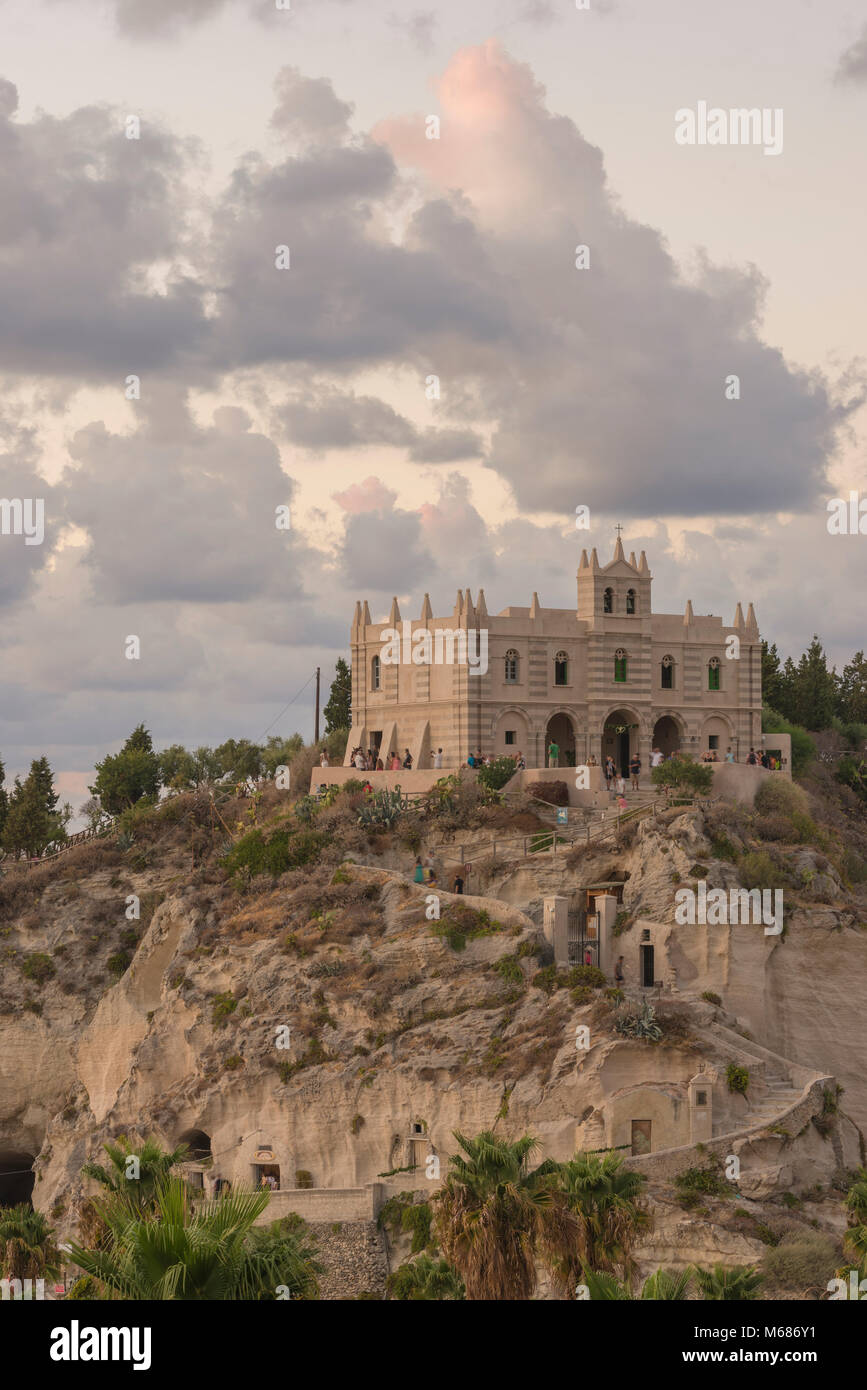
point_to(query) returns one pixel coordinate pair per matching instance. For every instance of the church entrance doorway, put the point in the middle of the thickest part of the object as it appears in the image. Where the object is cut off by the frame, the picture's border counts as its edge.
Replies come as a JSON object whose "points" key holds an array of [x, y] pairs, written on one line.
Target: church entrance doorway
{"points": [[620, 739], [559, 731], [666, 735]]}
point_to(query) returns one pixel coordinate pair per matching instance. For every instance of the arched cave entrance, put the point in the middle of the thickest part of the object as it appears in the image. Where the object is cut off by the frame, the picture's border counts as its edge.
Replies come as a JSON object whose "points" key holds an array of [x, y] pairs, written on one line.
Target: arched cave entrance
{"points": [[16, 1177], [666, 735], [199, 1144]]}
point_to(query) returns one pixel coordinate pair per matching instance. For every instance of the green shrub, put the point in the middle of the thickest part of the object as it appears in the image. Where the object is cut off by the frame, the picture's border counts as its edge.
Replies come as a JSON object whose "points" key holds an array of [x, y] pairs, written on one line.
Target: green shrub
{"points": [[737, 1079], [496, 774], [233, 1061], [711, 997], [709, 1180], [118, 963], [803, 1261], [775, 828], [722, 847], [777, 796], [303, 1178], [38, 967], [682, 774], [509, 969], [417, 1218], [222, 1007], [758, 870]]}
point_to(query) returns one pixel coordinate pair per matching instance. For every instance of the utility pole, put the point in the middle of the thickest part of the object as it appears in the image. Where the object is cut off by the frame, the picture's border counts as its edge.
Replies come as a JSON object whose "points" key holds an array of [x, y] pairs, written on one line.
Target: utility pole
{"points": [[316, 726]]}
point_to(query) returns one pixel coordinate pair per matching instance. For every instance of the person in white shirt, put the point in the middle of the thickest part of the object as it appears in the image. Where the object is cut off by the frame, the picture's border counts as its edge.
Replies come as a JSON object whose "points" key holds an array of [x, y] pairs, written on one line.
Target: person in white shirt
{"points": [[323, 761], [360, 761], [655, 758], [438, 758]]}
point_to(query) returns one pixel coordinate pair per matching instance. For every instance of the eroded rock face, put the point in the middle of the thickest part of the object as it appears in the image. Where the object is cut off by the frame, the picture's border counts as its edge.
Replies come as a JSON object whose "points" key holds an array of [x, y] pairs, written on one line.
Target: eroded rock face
{"points": [[403, 1028]]}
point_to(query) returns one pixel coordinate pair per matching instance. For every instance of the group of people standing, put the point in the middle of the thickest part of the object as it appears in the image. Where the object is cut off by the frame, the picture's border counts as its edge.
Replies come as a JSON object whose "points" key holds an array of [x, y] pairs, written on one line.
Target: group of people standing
{"points": [[371, 761]]}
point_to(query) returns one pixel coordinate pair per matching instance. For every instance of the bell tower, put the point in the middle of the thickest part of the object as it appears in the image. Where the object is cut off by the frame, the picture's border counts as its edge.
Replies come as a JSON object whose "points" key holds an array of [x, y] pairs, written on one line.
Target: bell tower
{"points": [[620, 589]]}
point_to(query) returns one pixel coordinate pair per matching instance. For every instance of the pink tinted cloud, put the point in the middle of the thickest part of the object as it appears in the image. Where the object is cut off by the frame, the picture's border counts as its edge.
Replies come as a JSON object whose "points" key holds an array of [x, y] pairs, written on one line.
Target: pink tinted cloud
{"points": [[498, 144], [370, 496]]}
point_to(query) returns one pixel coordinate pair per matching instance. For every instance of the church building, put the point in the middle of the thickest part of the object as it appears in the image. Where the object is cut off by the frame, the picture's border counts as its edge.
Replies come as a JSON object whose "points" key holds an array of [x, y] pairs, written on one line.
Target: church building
{"points": [[607, 677]]}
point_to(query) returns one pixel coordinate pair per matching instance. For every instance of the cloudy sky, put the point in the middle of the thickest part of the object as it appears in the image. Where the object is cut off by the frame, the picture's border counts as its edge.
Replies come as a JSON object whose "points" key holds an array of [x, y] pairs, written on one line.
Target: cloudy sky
{"points": [[409, 258]]}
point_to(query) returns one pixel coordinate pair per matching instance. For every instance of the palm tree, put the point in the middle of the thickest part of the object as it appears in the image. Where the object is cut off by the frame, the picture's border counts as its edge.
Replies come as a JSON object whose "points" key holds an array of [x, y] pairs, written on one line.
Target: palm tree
{"points": [[740, 1283], [601, 1286], [605, 1198], [154, 1164], [211, 1253], [425, 1280], [668, 1285], [494, 1215], [27, 1249]]}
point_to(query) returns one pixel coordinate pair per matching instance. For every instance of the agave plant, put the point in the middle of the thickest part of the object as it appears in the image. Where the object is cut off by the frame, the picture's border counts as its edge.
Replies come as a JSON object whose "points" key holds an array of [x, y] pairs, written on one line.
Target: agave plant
{"points": [[640, 1025], [382, 808]]}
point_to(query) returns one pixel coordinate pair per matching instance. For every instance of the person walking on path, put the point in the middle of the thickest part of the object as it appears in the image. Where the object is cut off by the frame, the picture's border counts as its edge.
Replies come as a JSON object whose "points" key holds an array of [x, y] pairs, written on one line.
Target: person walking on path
{"points": [[635, 770], [418, 876], [610, 772], [553, 754], [458, 884]]}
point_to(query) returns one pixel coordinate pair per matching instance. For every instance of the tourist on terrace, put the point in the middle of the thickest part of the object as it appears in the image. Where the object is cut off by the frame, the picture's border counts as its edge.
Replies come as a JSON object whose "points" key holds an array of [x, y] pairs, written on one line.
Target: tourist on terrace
{"points": [[635, 770], [610, 772], [438, 758], [418, 876]]}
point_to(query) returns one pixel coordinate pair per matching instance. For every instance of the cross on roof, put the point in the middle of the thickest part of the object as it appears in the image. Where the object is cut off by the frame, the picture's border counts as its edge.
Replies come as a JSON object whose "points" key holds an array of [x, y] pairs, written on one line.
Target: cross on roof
{"points": [[618, 528]]}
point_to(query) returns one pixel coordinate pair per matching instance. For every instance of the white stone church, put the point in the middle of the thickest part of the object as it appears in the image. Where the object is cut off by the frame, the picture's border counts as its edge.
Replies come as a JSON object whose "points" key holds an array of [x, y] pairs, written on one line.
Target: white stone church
{"points": [[607, 677]]}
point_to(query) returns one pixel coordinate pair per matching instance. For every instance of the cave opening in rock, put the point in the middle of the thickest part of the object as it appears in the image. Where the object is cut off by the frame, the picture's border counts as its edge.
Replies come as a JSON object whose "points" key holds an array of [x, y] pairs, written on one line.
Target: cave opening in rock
{"points": [[199, 1144], [16, 1177]]}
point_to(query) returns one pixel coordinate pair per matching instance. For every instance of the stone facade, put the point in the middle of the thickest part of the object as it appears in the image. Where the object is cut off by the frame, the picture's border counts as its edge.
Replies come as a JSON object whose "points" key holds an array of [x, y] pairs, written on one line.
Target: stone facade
{"points": [[609, 677]]}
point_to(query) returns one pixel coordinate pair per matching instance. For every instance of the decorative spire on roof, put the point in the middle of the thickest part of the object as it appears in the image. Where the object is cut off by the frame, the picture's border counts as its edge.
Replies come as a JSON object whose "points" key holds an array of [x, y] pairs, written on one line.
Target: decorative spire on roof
{"points": [[394, 614], [739, 623], [752, 628], [426, 610], [481, 606], [535, 606], [688, 616]]}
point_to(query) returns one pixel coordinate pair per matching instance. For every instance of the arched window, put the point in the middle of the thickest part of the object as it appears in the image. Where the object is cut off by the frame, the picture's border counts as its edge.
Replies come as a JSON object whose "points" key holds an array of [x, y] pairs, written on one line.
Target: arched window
{"points": [[713, 667], [608, 601], [667, 673], [511, 666], [375, 674], [620, 664], [561, 669], [630, 600]]}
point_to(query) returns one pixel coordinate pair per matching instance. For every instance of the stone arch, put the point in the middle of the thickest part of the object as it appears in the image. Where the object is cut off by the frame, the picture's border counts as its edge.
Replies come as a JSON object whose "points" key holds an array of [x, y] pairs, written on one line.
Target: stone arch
{"points": [[561, 726], [621, 747], [669, 732], [720, 726], [516, 719]]}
